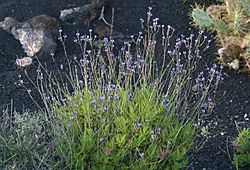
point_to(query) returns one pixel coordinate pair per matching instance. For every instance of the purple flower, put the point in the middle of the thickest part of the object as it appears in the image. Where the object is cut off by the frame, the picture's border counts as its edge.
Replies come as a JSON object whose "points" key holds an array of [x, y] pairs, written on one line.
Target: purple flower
{"points": [[93, 101], [153, 136], [39, 74], [102, 98], [102, 140], [141, 155], [158, 130], [165, 102]]}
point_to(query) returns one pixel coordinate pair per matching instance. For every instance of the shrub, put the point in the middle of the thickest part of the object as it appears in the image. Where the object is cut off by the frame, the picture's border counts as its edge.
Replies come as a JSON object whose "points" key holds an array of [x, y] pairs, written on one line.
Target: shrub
{"points": [[124, 109], [25, 141], [242, 149], [124, 129]]}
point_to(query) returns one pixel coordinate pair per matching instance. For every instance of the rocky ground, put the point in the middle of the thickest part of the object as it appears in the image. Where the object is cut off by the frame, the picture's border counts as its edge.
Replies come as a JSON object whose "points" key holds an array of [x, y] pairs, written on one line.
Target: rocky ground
{"points": [[211, 151]]}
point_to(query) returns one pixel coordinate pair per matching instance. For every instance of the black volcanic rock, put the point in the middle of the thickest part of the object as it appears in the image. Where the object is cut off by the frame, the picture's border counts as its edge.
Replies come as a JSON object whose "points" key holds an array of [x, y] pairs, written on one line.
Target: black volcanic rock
{"points": [[83, 14]]}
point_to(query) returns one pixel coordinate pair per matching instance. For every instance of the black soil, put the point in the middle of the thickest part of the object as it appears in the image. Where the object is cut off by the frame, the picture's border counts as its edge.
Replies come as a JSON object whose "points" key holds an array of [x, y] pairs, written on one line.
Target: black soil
{"points": [[210, 152]]}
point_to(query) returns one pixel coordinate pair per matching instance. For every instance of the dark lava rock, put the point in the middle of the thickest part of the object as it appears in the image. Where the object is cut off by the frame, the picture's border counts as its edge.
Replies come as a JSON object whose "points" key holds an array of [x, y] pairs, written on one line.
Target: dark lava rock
{"points": [[83, 14]]}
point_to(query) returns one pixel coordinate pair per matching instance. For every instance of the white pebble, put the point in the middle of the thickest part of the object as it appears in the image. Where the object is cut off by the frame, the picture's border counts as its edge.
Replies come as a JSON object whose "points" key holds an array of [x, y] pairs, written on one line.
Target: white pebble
{"points": [[24, 62]]}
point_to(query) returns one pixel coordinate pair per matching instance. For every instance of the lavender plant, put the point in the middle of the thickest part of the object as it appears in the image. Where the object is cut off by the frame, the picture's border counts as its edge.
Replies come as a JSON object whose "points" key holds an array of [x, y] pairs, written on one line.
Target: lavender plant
{"points": [[124, 109], [125, 129]]}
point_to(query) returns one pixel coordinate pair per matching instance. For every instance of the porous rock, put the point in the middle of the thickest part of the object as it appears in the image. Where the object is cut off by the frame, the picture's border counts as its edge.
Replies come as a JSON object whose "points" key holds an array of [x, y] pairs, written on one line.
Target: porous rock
{"points": [[37, 35], [231, 55]]}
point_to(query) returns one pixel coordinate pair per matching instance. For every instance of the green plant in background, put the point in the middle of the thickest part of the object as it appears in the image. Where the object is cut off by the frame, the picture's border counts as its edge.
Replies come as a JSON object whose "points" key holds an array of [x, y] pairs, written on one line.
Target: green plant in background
{"points": [[231, 22], [24, 141], [245, 5], [241, 157], [247, 41], [201, 18]]}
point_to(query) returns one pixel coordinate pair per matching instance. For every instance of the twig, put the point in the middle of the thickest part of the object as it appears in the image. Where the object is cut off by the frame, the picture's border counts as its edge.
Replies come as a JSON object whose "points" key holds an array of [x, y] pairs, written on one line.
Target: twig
{"points": [[101, 17], [228, 149]]}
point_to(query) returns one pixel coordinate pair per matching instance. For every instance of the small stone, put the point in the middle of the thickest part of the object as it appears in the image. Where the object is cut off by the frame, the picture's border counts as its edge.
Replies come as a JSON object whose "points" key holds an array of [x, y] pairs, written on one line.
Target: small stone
{"points": [[24, 62], [196, 88], [235, 64], [220, 51], [230, 54], [222, 133]]}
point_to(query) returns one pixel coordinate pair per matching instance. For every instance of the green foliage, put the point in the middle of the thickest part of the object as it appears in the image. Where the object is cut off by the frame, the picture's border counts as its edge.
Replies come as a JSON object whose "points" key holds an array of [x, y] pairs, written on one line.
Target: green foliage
{"points": [[245, 5], [237, 22], [242, 156], [23, 141], [131, 130], [230, 20], [201, 18], [221, 27], [247, 41]]}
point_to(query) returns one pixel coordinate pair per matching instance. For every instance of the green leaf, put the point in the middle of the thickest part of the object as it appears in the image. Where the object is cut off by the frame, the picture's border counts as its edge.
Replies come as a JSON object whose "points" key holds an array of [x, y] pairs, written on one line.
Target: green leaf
{"points": [[201, 18], [120, 139], [120, 123]]}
